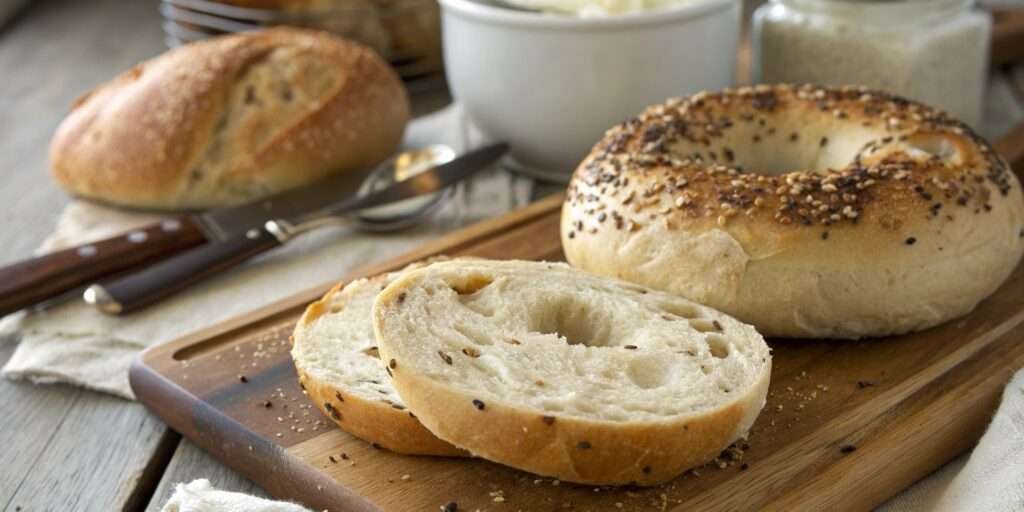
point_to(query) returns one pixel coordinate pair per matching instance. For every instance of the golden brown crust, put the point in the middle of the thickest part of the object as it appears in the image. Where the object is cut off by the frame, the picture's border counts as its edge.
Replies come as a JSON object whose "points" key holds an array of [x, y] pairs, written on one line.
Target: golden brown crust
{"points": [[377, 423], [806, 211], [567, 448], [383, 424], [230, 120]]}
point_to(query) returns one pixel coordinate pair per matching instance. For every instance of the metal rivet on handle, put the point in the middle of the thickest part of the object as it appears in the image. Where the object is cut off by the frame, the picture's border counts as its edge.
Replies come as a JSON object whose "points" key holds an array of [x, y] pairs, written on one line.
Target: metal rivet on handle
{"points": [[86, 251], [137, 237]]}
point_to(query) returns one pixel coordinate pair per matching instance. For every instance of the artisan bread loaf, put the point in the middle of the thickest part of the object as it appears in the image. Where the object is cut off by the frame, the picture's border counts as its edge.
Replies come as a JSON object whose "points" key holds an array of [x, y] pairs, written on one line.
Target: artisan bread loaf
{"points": [[806, 211], [555, 371], [336, 358], [231, 120]]}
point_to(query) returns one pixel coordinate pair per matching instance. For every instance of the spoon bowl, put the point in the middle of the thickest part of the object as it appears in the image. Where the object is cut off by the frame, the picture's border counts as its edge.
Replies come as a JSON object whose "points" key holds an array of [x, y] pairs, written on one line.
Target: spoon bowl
{"points": [[412, 211]]}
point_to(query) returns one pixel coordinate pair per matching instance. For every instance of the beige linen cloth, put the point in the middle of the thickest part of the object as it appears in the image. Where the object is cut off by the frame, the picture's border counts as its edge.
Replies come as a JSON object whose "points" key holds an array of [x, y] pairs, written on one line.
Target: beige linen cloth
{"points": [[74, 344]]}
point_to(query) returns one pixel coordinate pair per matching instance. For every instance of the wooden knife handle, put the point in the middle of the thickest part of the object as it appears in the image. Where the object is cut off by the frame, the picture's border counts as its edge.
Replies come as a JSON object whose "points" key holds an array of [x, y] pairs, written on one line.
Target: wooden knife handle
{"points": [[133, 291], [35, 280]]}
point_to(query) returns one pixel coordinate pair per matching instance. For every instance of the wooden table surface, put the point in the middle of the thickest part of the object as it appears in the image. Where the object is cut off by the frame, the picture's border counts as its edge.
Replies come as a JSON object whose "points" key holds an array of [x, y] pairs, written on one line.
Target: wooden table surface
{"points": [[62, 448]]}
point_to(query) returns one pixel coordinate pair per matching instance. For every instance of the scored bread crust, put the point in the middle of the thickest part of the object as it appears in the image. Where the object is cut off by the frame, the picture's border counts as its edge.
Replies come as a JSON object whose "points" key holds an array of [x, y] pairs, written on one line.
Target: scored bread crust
{"points": [[378, 418], [806, 211], [485, 414], [230, 120]]}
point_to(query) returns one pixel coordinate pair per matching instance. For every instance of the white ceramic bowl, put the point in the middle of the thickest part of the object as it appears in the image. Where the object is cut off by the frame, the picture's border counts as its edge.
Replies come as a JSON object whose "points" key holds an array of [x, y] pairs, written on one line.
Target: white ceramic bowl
{"points": [[550, 85]]}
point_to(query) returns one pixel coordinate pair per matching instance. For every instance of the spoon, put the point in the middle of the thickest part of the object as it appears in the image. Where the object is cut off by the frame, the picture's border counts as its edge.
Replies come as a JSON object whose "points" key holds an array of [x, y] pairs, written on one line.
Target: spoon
{"points": [[403, 214], [411, 176], [392, 217]]}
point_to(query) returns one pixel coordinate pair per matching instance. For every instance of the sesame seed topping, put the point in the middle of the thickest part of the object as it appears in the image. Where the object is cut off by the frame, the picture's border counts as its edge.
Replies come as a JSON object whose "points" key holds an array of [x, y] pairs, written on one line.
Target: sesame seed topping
{"points": [[639, 176], [445, 357], [478, 404]]}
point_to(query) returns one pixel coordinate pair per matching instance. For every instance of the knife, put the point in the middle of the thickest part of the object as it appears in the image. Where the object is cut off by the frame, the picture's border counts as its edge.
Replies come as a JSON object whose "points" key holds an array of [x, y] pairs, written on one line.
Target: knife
{"points": [[47, 278], [166, 277]]}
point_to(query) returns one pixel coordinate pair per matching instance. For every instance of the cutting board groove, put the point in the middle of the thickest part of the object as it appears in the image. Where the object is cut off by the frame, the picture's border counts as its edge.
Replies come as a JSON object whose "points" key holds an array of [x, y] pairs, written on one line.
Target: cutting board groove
{"points": [[848, 423]]}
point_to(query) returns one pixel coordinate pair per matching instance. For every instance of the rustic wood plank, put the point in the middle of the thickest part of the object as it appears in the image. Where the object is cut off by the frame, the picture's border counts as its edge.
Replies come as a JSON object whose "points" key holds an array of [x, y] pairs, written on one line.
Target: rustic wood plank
{"points": [[64, 448], [100, 453], [191, 462], [26, 426], [51, 54]]}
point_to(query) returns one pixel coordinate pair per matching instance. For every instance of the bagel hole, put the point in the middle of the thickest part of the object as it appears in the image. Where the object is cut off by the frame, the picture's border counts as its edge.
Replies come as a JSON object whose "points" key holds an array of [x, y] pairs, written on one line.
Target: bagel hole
{"points": [[647, 372], [718, 345], [935, 145], [571, 320]]}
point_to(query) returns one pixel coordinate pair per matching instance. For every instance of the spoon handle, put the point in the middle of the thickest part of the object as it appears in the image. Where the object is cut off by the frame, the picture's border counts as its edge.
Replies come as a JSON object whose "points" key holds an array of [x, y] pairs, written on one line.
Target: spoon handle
{"points": [[133, 291]]}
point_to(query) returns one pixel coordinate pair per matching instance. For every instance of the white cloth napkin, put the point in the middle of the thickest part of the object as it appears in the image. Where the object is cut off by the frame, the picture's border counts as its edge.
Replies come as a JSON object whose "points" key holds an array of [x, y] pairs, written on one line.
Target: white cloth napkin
{"points": [[992, 480], [75, 344], [200, 496]]}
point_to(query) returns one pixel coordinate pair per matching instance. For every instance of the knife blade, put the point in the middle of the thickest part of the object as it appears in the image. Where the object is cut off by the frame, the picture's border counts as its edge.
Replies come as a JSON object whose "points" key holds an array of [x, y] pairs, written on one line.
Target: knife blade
{"points": [[166, 277], [221, 224], [46, 277]]}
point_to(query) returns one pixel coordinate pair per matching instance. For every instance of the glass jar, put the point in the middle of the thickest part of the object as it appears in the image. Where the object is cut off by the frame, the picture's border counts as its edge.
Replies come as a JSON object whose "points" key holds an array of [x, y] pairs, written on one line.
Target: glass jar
{"points": [[932, 51]]}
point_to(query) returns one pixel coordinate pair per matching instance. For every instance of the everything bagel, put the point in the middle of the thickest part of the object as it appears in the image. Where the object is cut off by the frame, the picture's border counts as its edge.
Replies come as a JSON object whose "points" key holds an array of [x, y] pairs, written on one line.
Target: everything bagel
{"points": [[806, 211]]}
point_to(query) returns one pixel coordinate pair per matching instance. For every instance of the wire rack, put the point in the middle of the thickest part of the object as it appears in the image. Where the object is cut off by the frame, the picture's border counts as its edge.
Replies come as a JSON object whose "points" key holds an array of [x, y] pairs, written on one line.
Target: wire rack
{"points": [[406, 32]]}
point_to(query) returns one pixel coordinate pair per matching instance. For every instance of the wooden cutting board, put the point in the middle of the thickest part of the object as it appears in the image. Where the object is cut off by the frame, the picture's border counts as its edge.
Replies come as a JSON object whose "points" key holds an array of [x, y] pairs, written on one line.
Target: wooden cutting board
{"points": [[848, 423]]}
